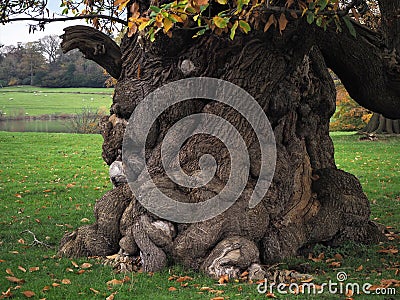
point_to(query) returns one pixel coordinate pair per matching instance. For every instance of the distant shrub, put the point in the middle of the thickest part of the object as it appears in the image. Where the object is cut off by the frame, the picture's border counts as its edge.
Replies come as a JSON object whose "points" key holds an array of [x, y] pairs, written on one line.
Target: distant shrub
{"points": [[86, 121], [349, 116]]}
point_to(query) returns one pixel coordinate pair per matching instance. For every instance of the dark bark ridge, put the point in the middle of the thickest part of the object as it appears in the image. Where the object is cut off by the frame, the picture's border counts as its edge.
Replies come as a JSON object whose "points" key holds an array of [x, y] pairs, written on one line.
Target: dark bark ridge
{"points": [[95, 46], [310, 201]]}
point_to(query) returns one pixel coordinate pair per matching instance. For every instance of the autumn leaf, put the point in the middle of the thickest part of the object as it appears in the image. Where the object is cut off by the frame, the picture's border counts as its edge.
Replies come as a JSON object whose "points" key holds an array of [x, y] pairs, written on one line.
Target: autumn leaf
{"points": [[111, 297], [223, 279], [167, 25], [335, 264], [114, 282], [271, 20], [66, 281], [172, 289], [9, 272], [218, 298], [184, 278], [282, 22], [28, 294], [220, 22], [33, 269], [55, 284], [202, 2], [46, 288], [359, 268], [121, 4], [270, 295], [14, 279], [86, 265], [22, 269], [390, 250], [94, 291]]}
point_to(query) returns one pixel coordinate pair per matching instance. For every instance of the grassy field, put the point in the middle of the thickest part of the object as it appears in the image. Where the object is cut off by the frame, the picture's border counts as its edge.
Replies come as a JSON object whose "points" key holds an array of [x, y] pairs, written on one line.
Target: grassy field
{"points": [[33, 101], [49, 183]]}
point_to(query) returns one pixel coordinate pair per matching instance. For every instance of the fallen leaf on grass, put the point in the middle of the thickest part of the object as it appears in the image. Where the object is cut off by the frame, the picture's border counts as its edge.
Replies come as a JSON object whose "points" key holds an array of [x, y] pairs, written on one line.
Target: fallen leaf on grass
{"points": [[338, 256], [74, 264], [320, 257], [335, 264], [66, 281], [9, 272], [6, 294], [55, 284], [28, 294], [184, 278], [218, 298], [22, 269], [349, 293], [34, 269], [21, 241], [94, 291], [390, 250], [360, 268], [86, 265], [270, 295], [14, 279], [205, 288], [2, 260], [171, 289], [46, 288], [114, 282], [111, 297], [223, 279], [85, 220], [80, 272]]}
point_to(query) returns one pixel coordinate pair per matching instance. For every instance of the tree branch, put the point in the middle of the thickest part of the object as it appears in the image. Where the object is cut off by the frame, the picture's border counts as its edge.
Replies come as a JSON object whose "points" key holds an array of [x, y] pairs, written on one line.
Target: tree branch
{"points": [[50, 20], [95, 45], [368, 70]]}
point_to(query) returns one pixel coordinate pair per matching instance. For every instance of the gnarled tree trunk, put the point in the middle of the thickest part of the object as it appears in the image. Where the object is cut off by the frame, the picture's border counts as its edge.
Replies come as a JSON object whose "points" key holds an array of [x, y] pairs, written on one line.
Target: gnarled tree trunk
{"points": [[309, 201], [379, 124]]}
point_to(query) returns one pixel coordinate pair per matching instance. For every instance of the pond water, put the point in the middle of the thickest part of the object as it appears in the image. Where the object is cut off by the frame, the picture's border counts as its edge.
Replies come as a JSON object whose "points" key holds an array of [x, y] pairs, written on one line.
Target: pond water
{"points": [[28, 125]]}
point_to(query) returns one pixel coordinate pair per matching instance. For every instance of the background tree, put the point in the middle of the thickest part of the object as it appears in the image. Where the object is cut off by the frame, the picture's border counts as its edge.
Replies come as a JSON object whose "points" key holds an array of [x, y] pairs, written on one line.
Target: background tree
{"points": [[50, 45], [278, 51]]}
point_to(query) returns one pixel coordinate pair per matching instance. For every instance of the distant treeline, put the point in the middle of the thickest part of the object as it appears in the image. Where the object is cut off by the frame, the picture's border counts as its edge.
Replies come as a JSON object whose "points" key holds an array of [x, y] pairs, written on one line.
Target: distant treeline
{"points": [[42, 63]]}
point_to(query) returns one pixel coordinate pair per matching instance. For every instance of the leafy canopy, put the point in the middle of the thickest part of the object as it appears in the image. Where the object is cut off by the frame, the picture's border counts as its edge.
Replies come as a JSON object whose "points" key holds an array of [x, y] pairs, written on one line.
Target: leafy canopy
{"points": [[200, 16]]}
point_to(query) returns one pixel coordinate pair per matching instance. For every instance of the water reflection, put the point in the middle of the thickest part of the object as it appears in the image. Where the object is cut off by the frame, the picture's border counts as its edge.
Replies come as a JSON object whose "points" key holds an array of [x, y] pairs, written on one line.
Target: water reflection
{"points": [[30, 125]]}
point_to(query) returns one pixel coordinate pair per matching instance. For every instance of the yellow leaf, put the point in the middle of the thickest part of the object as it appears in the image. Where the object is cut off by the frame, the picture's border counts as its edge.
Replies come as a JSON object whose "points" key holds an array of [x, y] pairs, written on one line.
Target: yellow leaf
{"points": [[282, 22], [222, 1], [220, 22], [121, 4], [167, 25]]}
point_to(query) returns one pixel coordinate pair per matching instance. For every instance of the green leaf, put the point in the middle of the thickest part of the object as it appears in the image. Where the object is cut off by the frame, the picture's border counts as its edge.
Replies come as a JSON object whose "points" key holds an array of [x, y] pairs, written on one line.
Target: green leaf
{"points": [[155, 9], [233, 30], [322, 4], [310, 17], [220, 22], [245, 26], [200, 32], [318, 21], [350, 26]]}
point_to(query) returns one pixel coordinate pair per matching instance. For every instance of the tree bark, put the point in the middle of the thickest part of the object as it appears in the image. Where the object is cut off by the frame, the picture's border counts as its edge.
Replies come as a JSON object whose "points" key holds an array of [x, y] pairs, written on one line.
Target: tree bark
{"points": [[310, 201], [379, 124]]}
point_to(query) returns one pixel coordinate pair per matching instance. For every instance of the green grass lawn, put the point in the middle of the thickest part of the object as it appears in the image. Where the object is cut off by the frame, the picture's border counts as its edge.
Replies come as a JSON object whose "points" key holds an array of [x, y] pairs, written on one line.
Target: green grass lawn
{"points": [[34, 101], [48, 185]]}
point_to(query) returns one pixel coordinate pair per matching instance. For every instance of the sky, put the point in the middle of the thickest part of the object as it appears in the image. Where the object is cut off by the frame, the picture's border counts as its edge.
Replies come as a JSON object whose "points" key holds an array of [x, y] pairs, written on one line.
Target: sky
{"points": [[12, 33]]}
